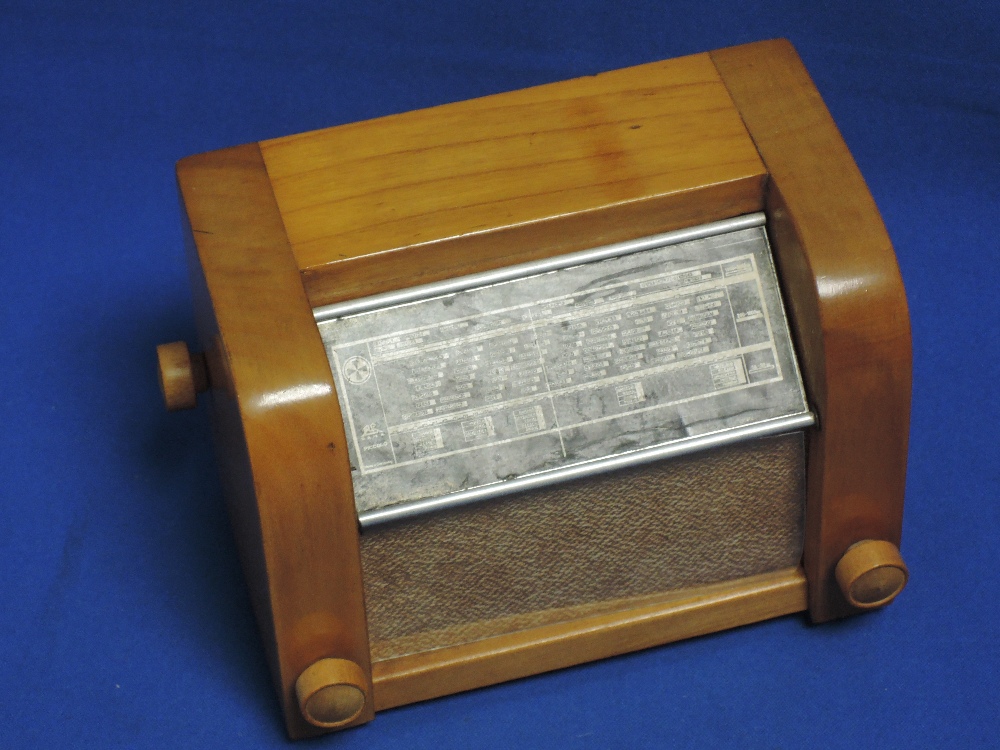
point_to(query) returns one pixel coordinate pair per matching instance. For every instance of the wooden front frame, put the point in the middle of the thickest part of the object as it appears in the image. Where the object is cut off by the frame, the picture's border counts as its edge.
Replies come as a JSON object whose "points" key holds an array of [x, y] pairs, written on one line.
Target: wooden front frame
{"points": [[280, 438]]}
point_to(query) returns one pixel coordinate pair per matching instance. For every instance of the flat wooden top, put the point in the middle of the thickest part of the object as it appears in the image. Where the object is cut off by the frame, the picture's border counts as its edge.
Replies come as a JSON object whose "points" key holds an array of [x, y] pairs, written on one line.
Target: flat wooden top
{"points": [[508, 159]]}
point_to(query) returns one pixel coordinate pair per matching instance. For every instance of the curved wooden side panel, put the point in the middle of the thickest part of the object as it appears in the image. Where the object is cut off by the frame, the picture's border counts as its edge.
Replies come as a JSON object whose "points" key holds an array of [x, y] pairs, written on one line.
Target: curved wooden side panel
{"points": [[848, 309], [279, 432]]}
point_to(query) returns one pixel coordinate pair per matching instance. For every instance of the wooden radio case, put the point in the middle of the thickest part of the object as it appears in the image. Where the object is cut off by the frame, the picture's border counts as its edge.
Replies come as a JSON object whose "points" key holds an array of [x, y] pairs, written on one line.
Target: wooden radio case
{"points": [[359, 618]]}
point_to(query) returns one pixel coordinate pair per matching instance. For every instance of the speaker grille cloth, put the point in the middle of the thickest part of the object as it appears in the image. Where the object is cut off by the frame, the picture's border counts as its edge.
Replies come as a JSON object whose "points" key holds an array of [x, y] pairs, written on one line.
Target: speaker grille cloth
{"points": [[582, 547]]}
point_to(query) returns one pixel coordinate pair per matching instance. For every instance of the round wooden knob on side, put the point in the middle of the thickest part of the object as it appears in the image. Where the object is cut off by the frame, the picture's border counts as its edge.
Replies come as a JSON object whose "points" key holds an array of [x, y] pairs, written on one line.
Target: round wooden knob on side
{"points": [[331, 692], [871, 573], [182, 375]]}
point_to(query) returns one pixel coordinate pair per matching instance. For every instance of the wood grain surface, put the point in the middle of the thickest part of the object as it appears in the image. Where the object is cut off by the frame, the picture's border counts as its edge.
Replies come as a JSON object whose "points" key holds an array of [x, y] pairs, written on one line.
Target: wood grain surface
{"points": [[490, 182]]}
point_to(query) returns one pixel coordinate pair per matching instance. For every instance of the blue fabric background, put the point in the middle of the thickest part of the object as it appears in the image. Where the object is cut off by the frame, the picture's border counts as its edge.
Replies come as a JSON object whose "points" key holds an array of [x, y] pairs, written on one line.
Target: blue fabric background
{"points": [[124, 619]]}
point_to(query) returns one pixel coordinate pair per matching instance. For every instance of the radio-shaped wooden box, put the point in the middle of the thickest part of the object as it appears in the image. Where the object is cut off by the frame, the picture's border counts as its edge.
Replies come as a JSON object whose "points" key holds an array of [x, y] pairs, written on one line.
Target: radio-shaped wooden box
{"points": [[507, 385]]}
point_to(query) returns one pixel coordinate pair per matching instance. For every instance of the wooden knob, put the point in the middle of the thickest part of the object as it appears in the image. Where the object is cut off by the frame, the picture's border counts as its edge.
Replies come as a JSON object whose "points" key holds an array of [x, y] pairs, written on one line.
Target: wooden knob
{"points": [[871, 573], [182, 375], [331, 692]]}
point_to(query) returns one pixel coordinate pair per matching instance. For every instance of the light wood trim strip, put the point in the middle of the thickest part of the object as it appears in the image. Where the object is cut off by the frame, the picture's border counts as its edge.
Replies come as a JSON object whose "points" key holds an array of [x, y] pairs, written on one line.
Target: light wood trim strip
{"points": [[473, 253], [847, 307], [279, 431], [703, 610]]}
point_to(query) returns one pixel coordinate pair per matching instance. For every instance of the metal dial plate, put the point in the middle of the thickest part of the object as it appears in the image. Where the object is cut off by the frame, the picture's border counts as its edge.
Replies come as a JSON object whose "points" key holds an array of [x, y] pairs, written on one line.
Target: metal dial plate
{"points": [[544, 374]]}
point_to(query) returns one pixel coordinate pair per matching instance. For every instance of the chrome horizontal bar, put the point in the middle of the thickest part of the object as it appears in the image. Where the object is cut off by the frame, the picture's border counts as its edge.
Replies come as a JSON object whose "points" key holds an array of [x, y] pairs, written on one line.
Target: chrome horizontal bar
{"points": [[527, 482], [450, 286]]}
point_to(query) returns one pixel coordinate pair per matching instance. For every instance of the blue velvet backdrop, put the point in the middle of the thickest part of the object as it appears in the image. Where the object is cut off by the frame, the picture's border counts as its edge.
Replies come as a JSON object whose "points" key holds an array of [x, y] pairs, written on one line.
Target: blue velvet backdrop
{"points": [[125, 621]]}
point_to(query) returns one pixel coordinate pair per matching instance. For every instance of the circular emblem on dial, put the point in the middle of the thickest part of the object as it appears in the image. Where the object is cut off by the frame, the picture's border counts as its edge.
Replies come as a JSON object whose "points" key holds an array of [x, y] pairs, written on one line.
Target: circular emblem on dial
{"points": [[357, 370]]}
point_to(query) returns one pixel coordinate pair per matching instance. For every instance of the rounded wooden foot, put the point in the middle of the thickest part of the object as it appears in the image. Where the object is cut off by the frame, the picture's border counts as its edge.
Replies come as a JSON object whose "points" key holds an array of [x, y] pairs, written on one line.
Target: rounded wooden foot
{"points": [[331, 692], [871, 573], [182, 375]]}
